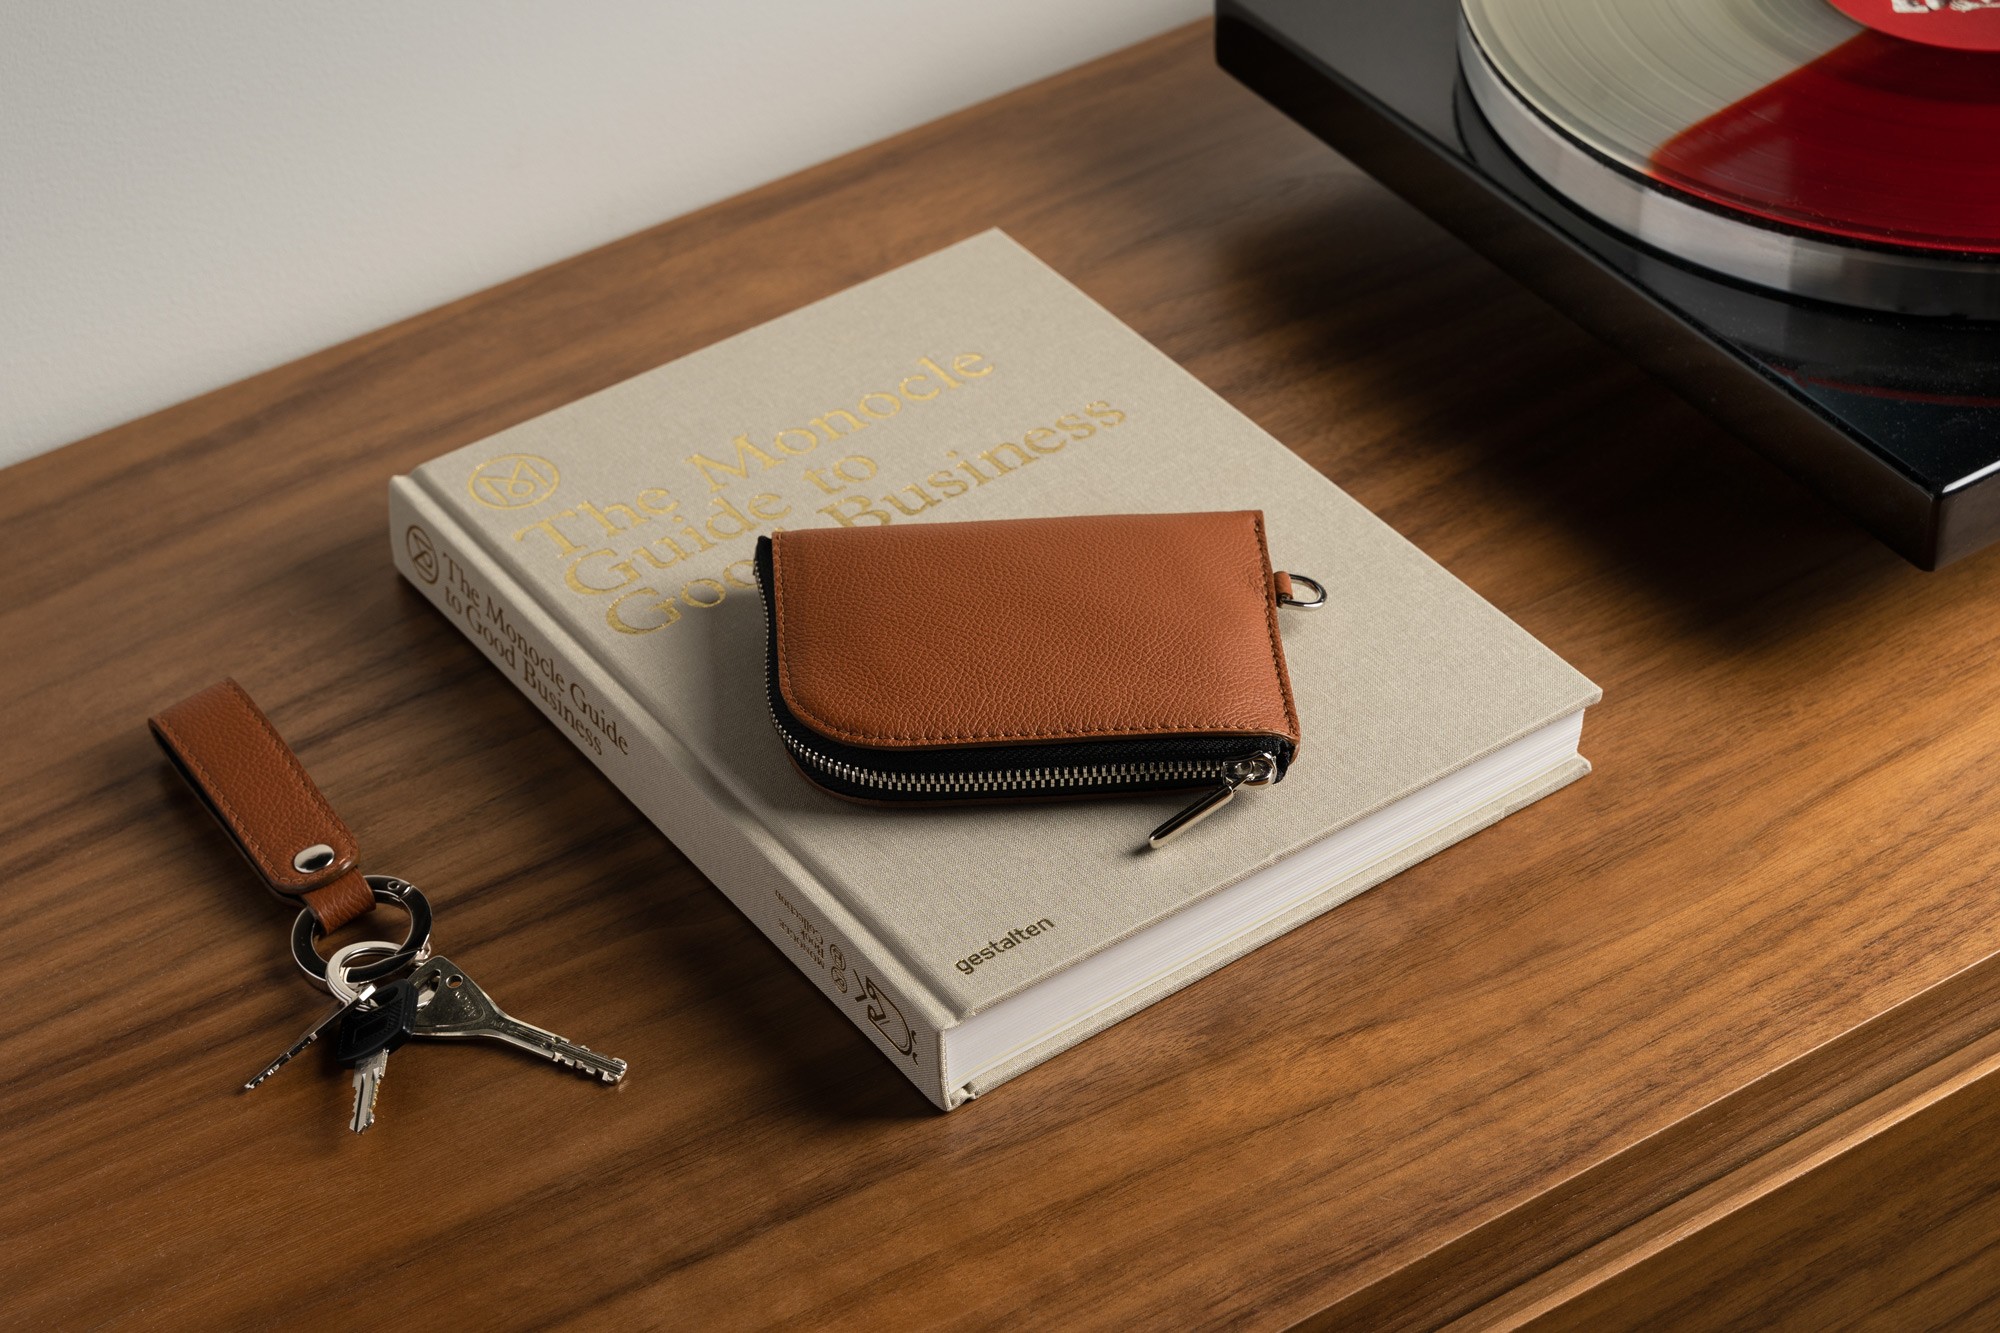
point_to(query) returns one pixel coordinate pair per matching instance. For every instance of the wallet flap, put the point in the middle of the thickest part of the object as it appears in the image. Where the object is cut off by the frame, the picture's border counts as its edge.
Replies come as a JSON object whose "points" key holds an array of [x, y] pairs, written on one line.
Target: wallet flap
{"points": [[1021, 631]]}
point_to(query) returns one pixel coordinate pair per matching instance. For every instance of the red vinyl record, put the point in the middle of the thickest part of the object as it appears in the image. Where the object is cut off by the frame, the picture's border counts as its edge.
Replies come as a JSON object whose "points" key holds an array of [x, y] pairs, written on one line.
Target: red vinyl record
{"points": [[1789, 113], [1879, 140]]}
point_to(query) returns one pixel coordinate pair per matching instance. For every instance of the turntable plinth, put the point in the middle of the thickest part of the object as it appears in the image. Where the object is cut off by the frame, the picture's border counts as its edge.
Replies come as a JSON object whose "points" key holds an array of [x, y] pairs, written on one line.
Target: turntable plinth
{"points": [[1895, 418]]}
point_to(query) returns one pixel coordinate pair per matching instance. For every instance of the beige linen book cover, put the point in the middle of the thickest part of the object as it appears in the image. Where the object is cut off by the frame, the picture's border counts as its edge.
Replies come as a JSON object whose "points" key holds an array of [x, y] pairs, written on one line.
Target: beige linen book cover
{"points": [[602, 555]]}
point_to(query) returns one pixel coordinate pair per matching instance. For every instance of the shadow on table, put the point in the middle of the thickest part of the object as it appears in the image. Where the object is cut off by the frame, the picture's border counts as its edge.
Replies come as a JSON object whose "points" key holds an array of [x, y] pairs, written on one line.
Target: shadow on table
{"points": [[1442, 394], [1472, 394], [756, 1006], [717, 1002]]}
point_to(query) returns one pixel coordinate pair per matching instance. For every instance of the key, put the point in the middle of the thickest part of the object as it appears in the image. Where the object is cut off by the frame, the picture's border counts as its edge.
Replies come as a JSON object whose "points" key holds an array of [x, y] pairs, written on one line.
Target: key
{"points": [[312, 1035], [367, 1086], [347, 997], [366, 1038], [451, 1007]]}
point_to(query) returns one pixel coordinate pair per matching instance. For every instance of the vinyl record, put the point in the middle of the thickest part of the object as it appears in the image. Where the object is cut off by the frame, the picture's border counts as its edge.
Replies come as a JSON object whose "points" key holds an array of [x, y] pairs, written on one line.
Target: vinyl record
{"points": [[1858, 164]]}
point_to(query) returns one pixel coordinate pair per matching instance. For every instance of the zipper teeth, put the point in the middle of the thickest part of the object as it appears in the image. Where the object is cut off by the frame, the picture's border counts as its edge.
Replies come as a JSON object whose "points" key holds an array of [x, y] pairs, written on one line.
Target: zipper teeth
{"points": [[1001, 779]]}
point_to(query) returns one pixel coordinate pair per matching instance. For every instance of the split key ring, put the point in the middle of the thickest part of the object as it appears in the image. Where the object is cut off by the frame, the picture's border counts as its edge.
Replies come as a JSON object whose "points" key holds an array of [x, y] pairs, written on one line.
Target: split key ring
{"points": [[415, 948]]}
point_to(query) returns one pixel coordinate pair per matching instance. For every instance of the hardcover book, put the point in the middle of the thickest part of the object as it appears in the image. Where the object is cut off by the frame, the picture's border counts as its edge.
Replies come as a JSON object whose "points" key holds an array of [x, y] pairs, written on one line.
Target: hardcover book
{"points": [[603, 556]]}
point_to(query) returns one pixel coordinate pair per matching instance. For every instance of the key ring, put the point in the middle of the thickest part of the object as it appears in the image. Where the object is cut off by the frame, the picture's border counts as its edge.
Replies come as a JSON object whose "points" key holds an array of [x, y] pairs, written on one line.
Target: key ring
{"points": [[415, 948], [337, 970]]}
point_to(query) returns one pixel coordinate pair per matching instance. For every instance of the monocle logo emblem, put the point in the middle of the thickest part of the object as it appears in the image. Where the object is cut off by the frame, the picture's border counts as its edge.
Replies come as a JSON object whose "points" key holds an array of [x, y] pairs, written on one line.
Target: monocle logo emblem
{"points": [[882, 1011], [887, 1018], [423, 555], [513, 481]]}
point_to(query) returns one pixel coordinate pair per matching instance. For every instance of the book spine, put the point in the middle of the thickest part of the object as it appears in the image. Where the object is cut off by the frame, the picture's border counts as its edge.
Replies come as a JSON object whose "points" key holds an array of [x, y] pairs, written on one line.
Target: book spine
{"points": [[637, 752]]}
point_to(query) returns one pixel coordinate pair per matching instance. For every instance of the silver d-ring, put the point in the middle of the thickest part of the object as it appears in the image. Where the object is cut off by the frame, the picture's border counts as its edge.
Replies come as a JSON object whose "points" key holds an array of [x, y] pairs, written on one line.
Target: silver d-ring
{"points": [[1319, 594], [414, 948]]}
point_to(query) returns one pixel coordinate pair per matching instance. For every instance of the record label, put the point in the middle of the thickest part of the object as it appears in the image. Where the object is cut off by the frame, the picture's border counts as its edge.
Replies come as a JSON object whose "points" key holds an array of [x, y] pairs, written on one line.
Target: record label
{"points": [[1962, 25]]}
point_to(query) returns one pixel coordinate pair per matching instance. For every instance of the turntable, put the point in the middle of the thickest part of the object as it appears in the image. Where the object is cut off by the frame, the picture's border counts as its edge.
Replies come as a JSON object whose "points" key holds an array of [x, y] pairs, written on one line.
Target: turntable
{"points": [[1788, 210]]}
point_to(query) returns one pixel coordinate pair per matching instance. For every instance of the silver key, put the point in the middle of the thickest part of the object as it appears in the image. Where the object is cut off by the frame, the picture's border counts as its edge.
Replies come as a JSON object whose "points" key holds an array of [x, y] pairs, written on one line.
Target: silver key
{"points": [[312, 1035], [451, 1006], [367, 1086], [368, 1073]]}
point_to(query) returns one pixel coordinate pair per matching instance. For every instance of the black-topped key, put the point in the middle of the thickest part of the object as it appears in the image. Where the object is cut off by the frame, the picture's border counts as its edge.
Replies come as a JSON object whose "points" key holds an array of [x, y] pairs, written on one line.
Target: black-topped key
{"points": [[312, 1035], [366, 1038]]}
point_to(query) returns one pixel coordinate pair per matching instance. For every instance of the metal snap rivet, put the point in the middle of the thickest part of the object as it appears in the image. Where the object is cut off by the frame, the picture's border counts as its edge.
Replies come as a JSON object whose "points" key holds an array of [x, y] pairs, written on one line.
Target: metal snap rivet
{"points": [[316, 857]]}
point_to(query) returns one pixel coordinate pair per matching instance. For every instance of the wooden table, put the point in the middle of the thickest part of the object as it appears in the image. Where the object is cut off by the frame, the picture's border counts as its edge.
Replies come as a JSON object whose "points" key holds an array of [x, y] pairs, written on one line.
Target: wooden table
{"points": [[1708, 1036]]}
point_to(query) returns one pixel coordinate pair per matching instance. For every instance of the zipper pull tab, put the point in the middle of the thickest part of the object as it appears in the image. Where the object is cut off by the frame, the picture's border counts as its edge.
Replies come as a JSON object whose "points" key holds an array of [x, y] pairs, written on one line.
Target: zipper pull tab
{"points": [[1257, 770]]}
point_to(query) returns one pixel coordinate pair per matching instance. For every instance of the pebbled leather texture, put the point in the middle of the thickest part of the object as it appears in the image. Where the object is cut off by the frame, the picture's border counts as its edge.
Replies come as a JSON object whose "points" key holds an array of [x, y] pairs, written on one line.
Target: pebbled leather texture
{"points": [[256, 788], [1024, 631], [340, 902]]}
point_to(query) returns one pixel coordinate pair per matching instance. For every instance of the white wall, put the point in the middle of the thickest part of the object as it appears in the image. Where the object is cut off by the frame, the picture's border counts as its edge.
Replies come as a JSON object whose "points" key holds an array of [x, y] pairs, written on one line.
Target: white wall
{"points": [[194, 191]]}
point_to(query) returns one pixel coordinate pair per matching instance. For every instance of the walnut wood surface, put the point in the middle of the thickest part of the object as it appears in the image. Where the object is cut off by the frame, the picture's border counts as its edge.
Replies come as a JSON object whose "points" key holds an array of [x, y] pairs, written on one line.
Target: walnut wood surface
{"points": [[1871, 1234], [1768, 906]]}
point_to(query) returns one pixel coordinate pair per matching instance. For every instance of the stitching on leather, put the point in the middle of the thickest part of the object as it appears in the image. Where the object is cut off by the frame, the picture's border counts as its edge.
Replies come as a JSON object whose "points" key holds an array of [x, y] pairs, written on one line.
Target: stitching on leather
{"points": [[210, 788], [313, 795], [240, 827], [1271, 624], [1144, 728]]}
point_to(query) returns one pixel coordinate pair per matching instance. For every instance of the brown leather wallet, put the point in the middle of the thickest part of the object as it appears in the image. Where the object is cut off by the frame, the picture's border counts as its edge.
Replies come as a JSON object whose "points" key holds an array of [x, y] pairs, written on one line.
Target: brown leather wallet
{"points": [[1030, 658]]}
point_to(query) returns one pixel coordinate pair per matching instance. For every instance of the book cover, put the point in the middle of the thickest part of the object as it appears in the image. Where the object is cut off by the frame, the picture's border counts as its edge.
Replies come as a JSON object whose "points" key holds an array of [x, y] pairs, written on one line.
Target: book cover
{"points": [[602, 555]]}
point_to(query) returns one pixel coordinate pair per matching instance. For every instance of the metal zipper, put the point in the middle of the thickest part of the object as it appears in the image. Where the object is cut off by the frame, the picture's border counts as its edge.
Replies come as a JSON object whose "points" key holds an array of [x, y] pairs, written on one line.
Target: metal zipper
{"points": [[1256, 769]]}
